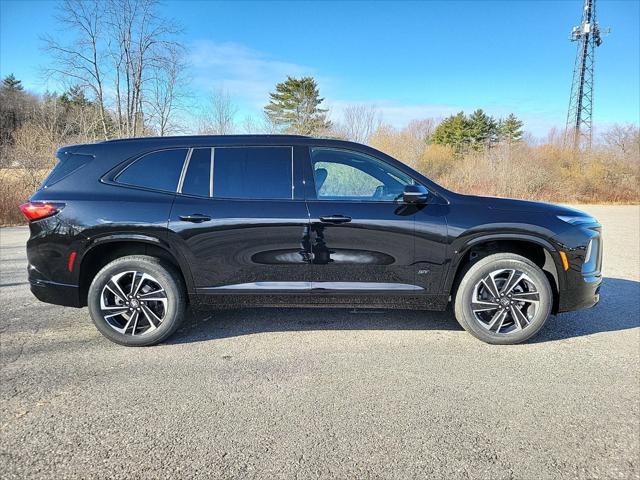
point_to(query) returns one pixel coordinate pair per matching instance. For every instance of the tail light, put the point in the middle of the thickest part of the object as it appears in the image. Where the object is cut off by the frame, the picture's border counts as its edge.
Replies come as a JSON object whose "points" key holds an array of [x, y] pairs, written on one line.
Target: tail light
{"points": [[40, 210]]}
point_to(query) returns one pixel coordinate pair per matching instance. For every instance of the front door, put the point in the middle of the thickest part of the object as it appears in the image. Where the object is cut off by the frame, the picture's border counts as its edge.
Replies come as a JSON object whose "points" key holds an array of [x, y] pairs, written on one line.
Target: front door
{"points": [[241, 218], [362, 235]]}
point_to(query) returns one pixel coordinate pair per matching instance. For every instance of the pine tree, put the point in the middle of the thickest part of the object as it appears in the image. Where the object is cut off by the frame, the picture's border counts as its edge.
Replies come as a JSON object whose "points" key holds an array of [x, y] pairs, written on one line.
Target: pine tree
{"points": [[12, 84], [453, 131], [483, 130], [294, 106], [510, 129], [75, 96]]}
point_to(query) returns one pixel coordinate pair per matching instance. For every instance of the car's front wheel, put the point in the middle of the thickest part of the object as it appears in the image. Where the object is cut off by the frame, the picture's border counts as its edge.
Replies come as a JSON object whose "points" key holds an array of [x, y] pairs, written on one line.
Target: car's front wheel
{"points": [[503, 298], [137, 300]]}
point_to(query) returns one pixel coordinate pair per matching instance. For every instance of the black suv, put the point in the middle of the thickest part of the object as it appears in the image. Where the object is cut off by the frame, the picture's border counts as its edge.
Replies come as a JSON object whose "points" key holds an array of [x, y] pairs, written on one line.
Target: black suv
{"points": [[137, 229]]}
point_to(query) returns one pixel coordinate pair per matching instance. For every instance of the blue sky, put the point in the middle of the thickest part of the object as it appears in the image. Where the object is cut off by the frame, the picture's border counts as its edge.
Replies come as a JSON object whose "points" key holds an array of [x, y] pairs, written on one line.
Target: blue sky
{"points": [[411, 59]]}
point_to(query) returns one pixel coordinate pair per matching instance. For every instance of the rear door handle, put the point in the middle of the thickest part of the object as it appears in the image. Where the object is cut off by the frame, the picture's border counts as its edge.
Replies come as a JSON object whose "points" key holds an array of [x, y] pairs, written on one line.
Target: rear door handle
{"points": [[335, 219], [195, 218]]}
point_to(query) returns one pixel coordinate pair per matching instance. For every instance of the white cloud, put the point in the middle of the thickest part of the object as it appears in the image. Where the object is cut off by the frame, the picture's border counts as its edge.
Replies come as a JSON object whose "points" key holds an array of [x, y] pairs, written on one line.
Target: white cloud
{"points": [[246, 74], [249, 75]]}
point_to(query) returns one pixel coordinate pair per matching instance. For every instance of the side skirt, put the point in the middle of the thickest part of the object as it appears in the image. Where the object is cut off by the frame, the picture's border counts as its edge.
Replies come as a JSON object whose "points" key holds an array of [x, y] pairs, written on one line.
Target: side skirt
{"points": [[321, 300]]}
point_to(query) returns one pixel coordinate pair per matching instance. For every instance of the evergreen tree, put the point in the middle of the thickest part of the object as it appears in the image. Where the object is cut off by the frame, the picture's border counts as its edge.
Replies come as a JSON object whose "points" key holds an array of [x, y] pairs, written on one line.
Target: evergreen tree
{"points": [[12, 84], [483, 130], [453, 131], [294, 106], [14, 108], [75, 97], [510, 129]]}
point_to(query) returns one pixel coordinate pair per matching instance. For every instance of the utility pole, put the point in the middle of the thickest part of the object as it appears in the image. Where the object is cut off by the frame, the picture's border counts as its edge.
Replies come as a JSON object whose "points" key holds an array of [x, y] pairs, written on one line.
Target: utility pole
{"points": [[579, 117]]}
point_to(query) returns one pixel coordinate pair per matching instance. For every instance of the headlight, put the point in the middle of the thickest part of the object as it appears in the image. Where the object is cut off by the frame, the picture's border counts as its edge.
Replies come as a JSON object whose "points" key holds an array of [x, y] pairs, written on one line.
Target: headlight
{"points": [[587, 256], [577, 219]]}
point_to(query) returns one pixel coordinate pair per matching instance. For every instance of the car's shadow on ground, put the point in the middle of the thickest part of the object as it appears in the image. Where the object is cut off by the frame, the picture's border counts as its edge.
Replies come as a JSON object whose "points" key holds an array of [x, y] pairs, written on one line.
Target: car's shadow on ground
{"points": [[619, 309]]}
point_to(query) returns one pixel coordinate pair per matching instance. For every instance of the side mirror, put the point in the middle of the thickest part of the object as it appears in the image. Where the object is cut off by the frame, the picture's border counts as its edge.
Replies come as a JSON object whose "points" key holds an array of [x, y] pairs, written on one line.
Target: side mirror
{"points": [[415, 194]]}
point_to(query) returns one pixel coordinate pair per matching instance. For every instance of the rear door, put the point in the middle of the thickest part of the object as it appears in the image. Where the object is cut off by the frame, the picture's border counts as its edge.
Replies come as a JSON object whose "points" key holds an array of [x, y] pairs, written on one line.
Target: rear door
{"points": [[241, 219]]}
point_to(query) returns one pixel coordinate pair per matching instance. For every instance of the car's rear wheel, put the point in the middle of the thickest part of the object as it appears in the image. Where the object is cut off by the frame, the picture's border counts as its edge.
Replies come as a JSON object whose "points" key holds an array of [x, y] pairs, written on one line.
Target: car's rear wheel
{"points": [[137, 300], [503, 299]]}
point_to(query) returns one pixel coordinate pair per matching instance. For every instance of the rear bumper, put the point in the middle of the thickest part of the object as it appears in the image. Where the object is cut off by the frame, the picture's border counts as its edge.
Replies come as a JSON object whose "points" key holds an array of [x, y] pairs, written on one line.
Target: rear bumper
{"points": [[585, 295], [54, 292]]}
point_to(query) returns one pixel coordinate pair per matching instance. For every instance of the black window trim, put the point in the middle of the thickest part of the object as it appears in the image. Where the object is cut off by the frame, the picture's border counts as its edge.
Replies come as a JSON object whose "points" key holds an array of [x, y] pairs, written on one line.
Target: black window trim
{"points": [[212, 167], [112, 178], [314, 196], [185, 169]]}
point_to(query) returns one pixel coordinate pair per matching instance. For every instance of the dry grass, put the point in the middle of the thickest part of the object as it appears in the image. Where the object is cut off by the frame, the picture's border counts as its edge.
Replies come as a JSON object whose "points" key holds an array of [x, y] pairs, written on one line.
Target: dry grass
{"points": [[546, 172], [16, 186]]}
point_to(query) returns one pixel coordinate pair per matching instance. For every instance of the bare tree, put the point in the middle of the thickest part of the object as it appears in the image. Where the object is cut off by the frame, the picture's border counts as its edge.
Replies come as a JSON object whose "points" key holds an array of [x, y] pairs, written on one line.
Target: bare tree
{"points": [[263, 124], [250, 125], [141, 42], [623, 137], [120, 46], [360, 121], [219, 118], [82, 61], [167, 94]]}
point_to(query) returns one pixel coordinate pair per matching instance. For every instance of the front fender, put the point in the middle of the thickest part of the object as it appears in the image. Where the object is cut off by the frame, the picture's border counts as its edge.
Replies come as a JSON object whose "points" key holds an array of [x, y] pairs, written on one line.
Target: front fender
{"points": [[503, 232]]}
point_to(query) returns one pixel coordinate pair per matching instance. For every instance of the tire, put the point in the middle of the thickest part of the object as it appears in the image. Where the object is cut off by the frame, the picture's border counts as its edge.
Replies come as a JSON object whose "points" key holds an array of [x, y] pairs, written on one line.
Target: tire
{"points": [[148, 317], [494, 318]]}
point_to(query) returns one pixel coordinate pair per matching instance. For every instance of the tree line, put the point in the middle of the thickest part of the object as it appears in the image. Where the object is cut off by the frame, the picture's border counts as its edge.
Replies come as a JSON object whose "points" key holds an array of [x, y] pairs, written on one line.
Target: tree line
{"points": [[295, 107], [125, 70], [124, 74]]}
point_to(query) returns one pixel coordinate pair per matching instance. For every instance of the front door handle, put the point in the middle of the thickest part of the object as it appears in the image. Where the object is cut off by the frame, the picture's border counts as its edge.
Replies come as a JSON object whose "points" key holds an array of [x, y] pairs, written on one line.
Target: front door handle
{"points": [[335, 219], [195, 218]]}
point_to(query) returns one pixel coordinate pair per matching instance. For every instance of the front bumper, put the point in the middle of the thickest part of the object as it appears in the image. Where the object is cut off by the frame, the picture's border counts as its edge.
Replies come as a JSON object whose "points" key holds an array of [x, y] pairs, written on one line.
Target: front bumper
{"points": [[586, 294], [583, 279]]}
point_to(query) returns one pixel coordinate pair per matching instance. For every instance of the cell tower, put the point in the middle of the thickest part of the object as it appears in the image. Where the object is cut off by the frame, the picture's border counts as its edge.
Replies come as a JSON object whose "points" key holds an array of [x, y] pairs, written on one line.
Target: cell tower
{"points": [[579, 117]]}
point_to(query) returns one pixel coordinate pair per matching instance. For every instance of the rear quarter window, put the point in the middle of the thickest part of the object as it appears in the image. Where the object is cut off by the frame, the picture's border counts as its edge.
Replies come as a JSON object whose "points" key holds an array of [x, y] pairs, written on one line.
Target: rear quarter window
{"points": [[67, 164], [157, 170]]}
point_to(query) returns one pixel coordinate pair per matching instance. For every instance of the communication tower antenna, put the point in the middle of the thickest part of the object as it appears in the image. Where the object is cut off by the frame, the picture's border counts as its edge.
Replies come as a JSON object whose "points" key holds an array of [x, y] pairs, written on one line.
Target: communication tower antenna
{"points": [[579, 117]]}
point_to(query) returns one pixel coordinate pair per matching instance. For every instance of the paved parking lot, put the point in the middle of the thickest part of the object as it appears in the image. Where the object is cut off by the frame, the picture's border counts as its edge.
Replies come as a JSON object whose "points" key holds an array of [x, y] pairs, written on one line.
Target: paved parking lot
{"points": [[291, 393]]}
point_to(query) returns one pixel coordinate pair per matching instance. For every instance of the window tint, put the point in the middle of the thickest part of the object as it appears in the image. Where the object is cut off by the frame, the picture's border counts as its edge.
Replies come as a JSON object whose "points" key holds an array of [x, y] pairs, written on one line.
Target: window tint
{"points": [[252, 172], [68, 164], [158, 170], [346, 175], [196, 180]]}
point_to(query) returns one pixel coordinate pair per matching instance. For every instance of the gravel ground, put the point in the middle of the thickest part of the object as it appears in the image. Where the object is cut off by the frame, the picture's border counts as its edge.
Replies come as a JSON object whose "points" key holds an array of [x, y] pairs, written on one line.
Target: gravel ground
{"points": [[320, 393]]}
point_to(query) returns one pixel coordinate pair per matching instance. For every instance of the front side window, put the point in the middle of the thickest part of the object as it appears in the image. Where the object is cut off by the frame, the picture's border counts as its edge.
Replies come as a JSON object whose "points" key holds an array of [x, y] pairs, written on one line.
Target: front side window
{"points": [[253, 172], [347, 175], [158, 170]]}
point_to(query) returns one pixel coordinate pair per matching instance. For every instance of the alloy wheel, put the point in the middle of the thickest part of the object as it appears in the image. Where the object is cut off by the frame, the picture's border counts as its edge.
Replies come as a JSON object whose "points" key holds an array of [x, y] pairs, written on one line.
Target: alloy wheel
{"points": [[133, 303], [505, 301]]}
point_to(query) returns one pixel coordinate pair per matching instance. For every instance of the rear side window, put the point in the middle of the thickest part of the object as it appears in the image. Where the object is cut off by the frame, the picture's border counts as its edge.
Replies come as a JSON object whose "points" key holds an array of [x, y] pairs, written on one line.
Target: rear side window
{"points": [[67, 164], [197, 179], [253, 172], [158, 170]]}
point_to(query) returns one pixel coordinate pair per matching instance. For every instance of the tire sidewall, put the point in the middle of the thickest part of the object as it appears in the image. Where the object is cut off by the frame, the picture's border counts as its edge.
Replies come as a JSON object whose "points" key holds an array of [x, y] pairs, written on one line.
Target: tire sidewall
{"points": [[167, 279], [482, 268]]}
